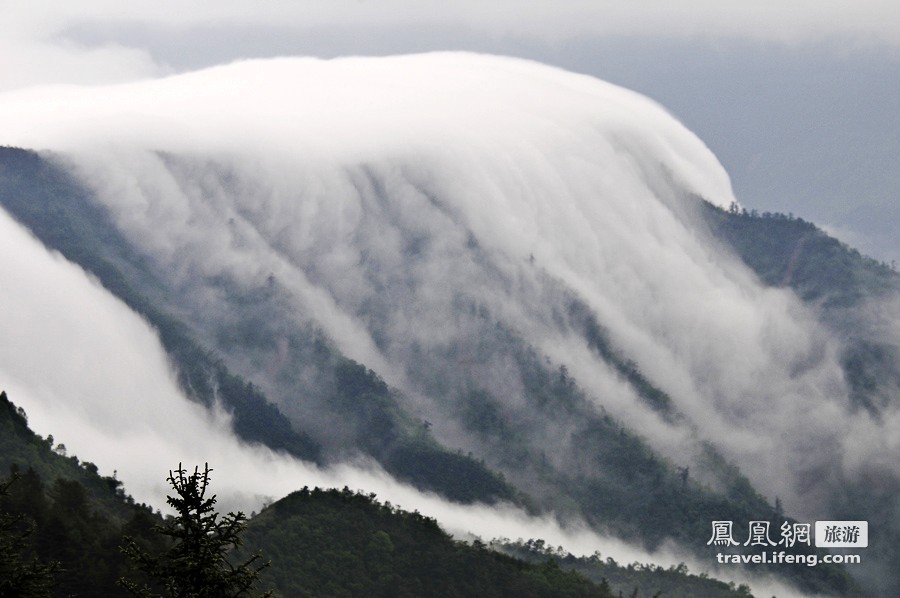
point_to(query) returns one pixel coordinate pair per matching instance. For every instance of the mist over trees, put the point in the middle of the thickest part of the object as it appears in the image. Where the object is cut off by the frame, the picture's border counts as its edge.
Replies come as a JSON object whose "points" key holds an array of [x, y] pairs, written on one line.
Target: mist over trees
{"points": [[84, 536], [556, 321]]}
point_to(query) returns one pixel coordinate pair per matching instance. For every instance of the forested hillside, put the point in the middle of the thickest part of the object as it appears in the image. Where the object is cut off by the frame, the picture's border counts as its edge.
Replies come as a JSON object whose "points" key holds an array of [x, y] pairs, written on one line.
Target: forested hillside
{"points": [[848, 289], [319, 542], [70, 514], [344, 543], [785, 250], [59, 211], [503, 421]]}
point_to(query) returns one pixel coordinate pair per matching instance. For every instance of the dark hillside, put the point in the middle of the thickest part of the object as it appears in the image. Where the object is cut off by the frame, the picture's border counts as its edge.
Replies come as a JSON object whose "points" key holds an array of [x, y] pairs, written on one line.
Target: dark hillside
{"points": [[78, 517], [320, 542], [342, 543], [785, 251], [788, 251], [649, 579]]}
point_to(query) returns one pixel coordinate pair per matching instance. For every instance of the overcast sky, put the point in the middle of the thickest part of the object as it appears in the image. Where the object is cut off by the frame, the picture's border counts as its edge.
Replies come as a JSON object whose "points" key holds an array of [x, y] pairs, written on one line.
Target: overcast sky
{"points": [[800, 100]]}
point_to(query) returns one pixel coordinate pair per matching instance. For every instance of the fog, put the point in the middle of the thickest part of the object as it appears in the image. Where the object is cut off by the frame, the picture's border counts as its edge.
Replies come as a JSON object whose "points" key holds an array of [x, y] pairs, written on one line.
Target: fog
{"points": [[378, 193], [90, 371], [581, 177], [798, 101], [94, 373]]}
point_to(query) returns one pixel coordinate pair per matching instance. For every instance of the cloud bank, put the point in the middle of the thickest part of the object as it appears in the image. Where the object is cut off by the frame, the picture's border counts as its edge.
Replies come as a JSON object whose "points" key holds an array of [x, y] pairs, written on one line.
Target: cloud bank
{"points": [[87, 368], [377, 192], [336, 168]]}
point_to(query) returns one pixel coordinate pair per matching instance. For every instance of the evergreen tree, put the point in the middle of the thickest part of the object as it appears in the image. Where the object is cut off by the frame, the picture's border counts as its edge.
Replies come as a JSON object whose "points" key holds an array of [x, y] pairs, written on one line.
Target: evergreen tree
{"points": [[19, 578], [197, 564]]}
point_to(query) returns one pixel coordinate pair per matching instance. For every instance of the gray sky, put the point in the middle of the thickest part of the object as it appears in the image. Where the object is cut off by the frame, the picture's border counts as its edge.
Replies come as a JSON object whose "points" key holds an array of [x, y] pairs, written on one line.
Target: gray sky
{"points": [[800, 100]]}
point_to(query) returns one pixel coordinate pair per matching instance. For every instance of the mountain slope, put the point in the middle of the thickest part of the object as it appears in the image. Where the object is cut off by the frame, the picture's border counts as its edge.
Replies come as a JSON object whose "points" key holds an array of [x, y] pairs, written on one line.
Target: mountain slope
{"points": [[848, 288], [59, 213], [77, 517], [320, 541], [57, 210], [618, 482], [788, 251], [495, 257]]}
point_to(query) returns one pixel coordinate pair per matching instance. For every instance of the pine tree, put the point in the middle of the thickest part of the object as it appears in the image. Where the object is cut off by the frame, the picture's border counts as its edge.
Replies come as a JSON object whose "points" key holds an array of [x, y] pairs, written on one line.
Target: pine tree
{"points": [[197, 565]]}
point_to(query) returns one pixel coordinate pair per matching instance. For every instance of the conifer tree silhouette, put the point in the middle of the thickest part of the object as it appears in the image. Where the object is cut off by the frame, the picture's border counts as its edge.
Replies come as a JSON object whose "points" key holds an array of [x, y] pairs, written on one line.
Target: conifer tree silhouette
{"points": [[197, 564]]}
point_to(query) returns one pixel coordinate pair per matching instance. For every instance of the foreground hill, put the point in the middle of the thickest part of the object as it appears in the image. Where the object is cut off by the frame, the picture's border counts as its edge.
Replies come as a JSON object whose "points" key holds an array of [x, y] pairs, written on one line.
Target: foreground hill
{"points": [[343, 543], [319, 542], [77, 517], [347, 543]]}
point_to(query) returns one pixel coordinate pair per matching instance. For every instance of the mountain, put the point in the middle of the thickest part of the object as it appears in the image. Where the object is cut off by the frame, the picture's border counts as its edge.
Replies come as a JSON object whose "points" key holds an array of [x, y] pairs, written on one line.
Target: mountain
{"points": [[628, 467], [493, 280]]}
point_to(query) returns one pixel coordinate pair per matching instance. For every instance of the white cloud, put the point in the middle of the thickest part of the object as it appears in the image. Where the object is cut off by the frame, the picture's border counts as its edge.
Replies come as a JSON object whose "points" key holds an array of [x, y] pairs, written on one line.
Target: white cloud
{"points": [[532, 161], [93, 373], [331, 162]]}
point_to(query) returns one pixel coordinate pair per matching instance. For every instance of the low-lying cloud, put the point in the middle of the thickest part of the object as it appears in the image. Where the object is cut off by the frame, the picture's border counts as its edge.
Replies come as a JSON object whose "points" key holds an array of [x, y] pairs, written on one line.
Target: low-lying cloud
{"points": [[335, 168], [376, 192], [88, 369]]}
